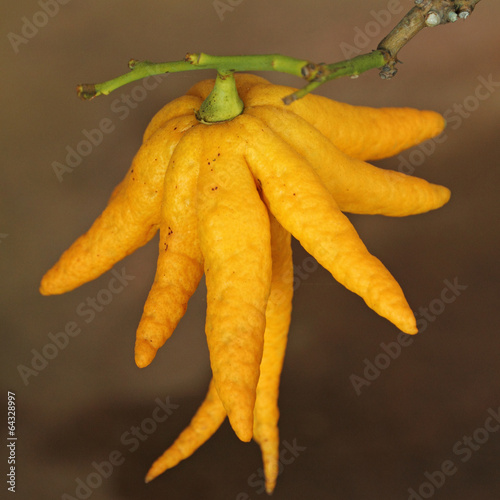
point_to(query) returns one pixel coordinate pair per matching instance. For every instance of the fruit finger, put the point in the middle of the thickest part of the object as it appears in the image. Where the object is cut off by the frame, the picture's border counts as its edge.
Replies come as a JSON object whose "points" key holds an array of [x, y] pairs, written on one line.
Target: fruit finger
{"points": [[235, 243], [278, 312], [305, 208], [356, 186], [180, 262], [130, 219], [203, 425], [359, 131]]}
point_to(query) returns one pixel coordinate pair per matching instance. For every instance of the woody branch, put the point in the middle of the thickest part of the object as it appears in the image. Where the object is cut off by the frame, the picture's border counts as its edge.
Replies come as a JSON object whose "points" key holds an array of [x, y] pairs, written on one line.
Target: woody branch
{"points": [[426, 13]]}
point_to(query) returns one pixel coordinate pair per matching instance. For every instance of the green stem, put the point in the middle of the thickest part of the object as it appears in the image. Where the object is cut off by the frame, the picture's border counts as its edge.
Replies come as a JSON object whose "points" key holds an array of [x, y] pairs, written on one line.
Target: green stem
{"points": [[223, 103], [316, 74], [322, 73], [224, 64], [385, 57]]}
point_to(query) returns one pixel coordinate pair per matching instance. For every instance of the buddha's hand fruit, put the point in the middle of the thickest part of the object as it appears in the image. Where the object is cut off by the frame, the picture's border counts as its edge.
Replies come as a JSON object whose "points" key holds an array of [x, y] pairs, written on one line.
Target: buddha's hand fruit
{"points": [[226, 198]]}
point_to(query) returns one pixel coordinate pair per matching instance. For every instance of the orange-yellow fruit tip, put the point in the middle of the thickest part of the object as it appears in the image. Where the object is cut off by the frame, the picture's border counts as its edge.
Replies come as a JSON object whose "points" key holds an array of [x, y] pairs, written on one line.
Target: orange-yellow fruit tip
{"points": [[440, 121], [242, 429], [407, 324], [144, 353], [45, 289], [270, 487], [410, 329], [243, 435], [158, 468], [53, 284], [149, 477], [446, 193]]}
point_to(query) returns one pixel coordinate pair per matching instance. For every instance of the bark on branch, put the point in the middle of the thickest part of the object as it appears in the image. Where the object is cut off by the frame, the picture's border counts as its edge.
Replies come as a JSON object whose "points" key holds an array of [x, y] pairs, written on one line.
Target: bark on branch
{"points": [[426, 13]]}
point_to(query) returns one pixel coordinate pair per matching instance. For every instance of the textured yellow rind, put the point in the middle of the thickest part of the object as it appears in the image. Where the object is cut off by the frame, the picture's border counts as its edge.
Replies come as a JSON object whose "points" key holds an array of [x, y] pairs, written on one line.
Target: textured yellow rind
{"points": [[359, 131], [370, 133], [184, 105], [278, 312], [211, 413], [356, 186], [305, 208], [180, 262], [235, 242], [203, 425], [130, 219]]}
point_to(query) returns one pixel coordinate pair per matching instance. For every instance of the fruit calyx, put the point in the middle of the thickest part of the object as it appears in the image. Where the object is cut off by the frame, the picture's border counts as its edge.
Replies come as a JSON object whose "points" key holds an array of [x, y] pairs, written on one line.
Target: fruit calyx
{"points": [[223, 103]]}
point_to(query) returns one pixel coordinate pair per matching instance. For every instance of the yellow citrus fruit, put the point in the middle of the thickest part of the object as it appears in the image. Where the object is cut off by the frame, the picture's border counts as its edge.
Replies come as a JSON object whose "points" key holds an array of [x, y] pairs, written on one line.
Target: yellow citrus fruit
{"points": [[227, 198]]}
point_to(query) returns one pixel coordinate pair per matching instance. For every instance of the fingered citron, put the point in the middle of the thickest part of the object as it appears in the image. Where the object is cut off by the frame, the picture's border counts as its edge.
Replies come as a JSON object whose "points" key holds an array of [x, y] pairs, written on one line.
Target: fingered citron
{"points": [[227, 198]]}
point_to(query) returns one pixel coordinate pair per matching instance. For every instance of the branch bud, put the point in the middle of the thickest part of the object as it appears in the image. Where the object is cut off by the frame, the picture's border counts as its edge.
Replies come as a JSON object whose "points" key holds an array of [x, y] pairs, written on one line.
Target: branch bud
{"points": [[432, 19]]}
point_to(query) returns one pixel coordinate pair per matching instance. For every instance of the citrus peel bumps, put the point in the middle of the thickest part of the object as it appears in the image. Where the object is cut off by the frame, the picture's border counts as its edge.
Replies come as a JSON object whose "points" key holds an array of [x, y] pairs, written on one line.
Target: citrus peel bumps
{"points": [[226, 198]]}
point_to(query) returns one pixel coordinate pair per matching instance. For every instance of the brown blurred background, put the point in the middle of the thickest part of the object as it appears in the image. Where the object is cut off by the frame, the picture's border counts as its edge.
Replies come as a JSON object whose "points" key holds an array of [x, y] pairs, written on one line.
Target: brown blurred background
{"points": [[427, 409]]}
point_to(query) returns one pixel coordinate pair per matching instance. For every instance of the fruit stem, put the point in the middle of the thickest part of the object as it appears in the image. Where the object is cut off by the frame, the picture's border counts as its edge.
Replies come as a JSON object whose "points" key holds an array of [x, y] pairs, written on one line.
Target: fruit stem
{"points": [[223, 103], [321, 73], [425, 13], [223, 64]]}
